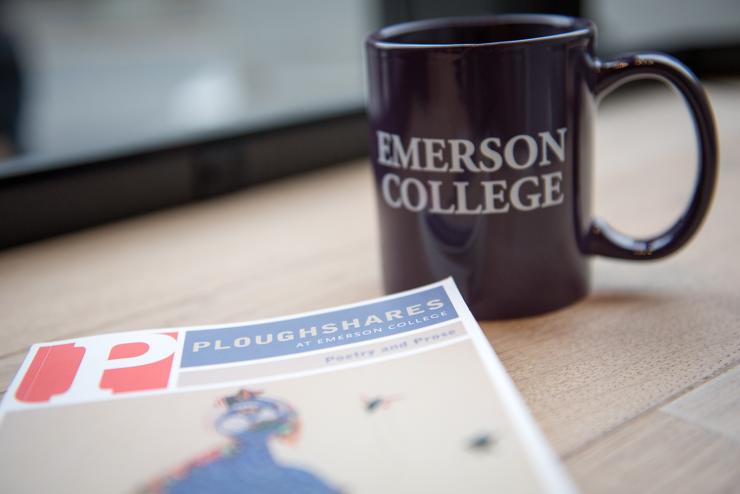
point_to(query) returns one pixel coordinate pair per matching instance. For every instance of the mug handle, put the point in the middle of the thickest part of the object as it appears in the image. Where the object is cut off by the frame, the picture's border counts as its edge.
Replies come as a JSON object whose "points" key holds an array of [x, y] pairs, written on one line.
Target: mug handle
{"points": [[602, 239]]}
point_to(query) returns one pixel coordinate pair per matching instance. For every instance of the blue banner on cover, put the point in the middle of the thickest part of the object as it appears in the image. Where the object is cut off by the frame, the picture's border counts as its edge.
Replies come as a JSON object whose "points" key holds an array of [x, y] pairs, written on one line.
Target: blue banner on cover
{"points": [[318, 331]]}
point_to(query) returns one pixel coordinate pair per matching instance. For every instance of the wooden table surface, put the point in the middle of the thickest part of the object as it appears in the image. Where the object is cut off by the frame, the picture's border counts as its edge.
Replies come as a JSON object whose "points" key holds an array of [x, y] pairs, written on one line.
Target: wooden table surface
{"points": [[637, 387]]}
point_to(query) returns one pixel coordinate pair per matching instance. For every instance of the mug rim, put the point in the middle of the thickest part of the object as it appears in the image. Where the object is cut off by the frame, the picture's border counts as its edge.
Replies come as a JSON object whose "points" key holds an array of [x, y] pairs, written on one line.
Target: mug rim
{"points": [[576, 28]]}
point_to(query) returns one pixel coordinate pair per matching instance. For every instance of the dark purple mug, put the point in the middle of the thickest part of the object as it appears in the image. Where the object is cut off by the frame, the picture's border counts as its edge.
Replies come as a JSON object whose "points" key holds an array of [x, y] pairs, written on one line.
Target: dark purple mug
{"points": [[481, 142]]}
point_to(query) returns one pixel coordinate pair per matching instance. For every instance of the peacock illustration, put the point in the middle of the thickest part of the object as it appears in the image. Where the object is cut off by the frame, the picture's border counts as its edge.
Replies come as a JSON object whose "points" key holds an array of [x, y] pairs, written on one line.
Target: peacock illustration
{"points": [[246, 464]]}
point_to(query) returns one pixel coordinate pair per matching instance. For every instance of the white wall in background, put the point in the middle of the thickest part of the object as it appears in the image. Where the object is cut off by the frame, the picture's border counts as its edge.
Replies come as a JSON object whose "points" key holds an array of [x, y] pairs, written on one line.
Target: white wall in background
{"points": [[664, 24]]}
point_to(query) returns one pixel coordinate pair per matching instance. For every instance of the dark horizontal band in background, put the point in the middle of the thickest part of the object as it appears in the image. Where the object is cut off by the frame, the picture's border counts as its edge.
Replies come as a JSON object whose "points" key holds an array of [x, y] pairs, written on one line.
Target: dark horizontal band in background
{"points": [[54, 198]]}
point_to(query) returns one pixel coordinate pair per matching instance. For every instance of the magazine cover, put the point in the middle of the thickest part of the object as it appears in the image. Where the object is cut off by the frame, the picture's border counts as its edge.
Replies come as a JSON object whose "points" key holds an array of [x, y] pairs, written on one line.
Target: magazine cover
{"points": [[401, 394]]}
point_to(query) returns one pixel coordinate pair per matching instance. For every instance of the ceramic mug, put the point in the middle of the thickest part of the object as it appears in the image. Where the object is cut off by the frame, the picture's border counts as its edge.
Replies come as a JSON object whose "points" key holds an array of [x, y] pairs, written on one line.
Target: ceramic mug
{"points": [[481, 143]]}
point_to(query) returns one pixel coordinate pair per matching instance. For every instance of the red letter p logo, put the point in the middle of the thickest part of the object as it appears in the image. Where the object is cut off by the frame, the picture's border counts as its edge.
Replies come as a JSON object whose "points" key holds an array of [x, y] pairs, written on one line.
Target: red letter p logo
{"points": [[96, 367]]}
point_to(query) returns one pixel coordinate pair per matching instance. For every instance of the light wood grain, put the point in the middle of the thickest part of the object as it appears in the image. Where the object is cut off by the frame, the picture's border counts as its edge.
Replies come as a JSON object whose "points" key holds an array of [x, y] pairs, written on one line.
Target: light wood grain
{"points": [[692, 444], [621, 382], [228, 258], [714, 406], [659, 453]]}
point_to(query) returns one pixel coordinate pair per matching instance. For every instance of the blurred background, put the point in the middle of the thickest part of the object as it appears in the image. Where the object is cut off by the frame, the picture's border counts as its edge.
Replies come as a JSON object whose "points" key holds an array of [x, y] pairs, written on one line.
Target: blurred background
{"points": [[110, 108]]}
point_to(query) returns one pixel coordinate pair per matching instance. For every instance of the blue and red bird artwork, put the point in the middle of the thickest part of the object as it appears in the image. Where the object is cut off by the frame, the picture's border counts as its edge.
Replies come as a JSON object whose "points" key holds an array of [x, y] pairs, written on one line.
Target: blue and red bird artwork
{"points": [[246, 464], [378, 402]]}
